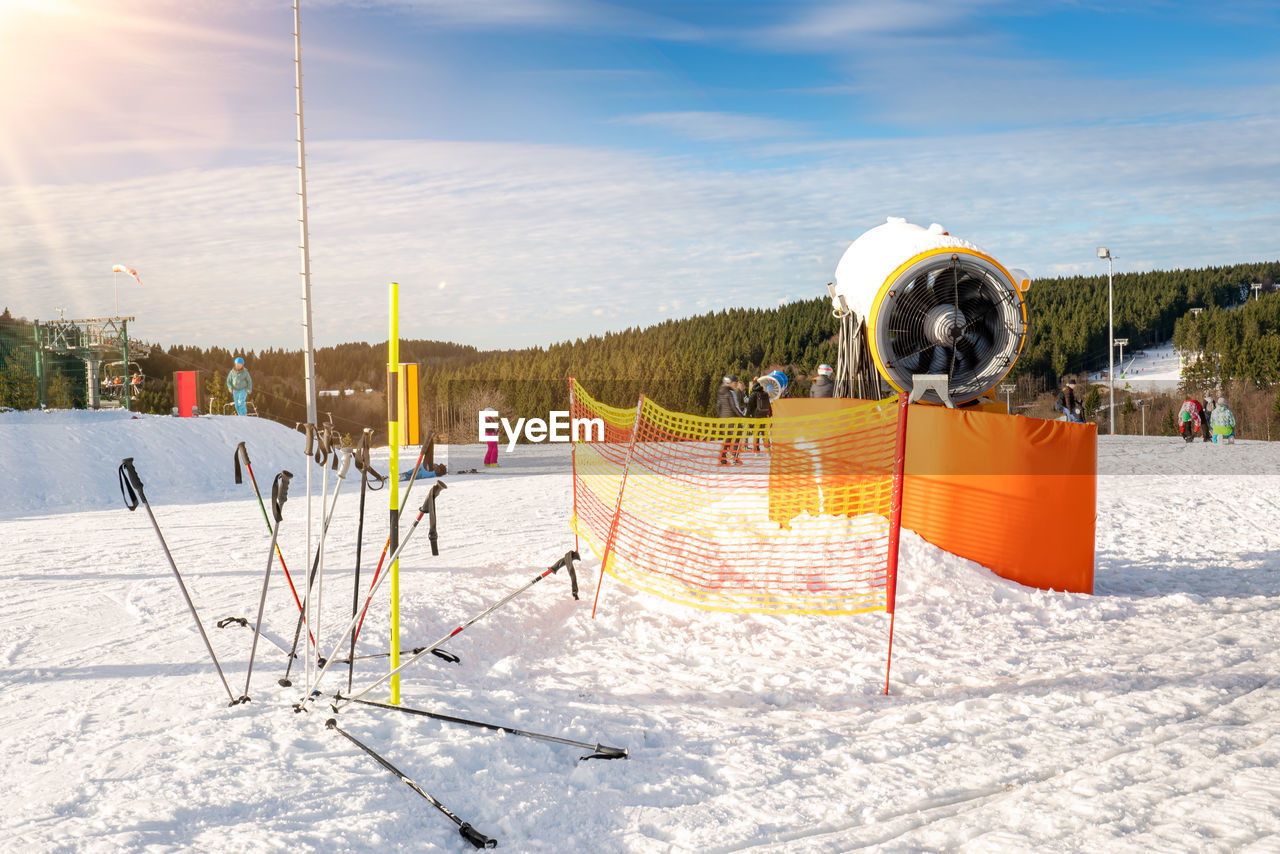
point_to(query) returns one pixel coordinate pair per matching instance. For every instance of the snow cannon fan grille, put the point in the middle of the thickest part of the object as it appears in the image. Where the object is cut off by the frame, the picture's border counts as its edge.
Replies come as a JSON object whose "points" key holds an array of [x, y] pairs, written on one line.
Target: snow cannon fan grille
{"points": [[955, 314]]}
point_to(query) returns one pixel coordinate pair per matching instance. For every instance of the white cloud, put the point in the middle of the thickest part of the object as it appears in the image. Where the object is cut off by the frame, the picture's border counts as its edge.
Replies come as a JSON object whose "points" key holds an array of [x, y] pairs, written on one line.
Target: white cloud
{"points": [[543, 243], [711, 126]]}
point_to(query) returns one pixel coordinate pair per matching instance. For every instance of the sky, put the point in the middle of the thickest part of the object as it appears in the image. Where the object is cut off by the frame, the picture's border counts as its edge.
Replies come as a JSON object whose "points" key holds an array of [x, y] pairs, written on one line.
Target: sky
{"points": [[542, 170]]}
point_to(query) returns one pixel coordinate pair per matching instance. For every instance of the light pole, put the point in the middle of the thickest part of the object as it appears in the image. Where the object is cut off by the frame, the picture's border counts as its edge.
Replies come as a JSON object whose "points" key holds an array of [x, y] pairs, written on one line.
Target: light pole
{"points": [[1120, 342], [1008, 388], [1257, 286], [1104, 252]]}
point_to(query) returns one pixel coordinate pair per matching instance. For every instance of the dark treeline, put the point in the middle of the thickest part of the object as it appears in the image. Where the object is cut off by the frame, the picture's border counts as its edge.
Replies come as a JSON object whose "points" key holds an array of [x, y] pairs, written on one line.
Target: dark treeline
{"points": [[1068, 316], [678, 363]]}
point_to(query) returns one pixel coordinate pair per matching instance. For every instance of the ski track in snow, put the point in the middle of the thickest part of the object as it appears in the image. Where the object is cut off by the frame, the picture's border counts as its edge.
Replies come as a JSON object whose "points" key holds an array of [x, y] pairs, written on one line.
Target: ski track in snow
{"points": [[1142, 718]]}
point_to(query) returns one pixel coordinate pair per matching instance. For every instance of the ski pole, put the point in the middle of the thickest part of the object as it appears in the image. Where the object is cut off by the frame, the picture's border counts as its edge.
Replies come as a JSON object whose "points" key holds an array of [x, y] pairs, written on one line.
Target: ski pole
{"points": [[131, 491], [602, 751], [404, 502], [429, 506], [321, 455], [566, 562], [242, 453], [279, 495], [363, 466], [322, 451], [324, 534], [469, 833], [438, 653], [315, 688]]}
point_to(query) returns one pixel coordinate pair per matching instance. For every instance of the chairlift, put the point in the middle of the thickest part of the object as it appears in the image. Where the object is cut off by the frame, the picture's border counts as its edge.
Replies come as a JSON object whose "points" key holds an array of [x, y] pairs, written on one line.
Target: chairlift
{"points": [[115, 380]]}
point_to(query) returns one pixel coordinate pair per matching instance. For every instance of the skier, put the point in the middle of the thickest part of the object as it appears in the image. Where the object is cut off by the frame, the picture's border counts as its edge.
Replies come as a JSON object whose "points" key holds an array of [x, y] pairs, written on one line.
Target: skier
{"points": [[729, 405], [1223, 422], [240, 384], [1066, 403], [822, 386], [1190, 419], [758, 406], [491, 453]]}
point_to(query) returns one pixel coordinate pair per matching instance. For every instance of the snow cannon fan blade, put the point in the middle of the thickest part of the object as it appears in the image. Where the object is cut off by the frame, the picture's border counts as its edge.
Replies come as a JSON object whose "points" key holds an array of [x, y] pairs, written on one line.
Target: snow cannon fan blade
{"points": [[933, 304]]}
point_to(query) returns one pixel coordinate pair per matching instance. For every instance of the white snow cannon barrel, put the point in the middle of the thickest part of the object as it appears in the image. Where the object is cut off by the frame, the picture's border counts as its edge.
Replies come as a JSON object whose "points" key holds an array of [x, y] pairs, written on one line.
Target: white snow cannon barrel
{"points": [[933, 304], [774, 383]]}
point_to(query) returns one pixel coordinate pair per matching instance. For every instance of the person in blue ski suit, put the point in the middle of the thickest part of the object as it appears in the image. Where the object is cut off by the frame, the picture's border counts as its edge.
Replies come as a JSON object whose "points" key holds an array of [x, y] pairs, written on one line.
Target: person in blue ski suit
{"points": [[240, 384], [1223, 423]]}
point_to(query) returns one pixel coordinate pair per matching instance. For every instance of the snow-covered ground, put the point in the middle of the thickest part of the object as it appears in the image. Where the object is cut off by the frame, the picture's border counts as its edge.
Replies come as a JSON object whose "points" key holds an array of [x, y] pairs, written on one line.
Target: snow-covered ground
{"points": [[1140, 718], [1155, 369]]}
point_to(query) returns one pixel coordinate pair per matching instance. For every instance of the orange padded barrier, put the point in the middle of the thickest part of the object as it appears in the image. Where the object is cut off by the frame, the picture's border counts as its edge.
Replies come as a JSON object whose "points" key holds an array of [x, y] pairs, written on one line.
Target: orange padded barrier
{"points": [[1017, 495]]}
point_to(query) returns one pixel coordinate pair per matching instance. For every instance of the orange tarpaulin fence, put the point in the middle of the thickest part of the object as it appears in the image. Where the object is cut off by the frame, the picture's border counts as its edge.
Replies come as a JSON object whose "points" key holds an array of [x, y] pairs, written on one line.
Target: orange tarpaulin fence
{"points": [[1017, 495], [782, 516]]}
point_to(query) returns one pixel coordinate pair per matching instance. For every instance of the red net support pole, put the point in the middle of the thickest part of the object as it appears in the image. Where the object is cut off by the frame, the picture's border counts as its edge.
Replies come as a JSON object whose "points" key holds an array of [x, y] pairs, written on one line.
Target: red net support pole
{"points": [[895, 527], [617, 508], [573, 453]]}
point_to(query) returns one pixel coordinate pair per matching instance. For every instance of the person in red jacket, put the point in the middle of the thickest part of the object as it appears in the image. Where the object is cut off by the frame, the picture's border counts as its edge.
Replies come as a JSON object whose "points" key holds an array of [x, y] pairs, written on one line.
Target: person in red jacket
{"points": [[1191, 419]]}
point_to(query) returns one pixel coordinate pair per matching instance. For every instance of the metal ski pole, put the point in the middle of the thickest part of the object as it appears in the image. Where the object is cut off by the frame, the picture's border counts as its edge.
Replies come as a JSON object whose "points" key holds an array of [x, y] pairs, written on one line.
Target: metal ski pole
{"points": [[306, 599], [438, 653], [242, 454], [131, 491], [429, 506], [404, 502], [324, 533], [279, 495], [469, 833], [566, 562], [363, 466], [602, 751], [315, 688], [321, 455]]}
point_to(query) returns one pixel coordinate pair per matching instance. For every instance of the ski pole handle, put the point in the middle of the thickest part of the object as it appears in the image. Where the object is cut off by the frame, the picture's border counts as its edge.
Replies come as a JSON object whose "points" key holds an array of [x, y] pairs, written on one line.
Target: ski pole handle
{"points": [[430, 504], [430, 501], [280, 494], [130, 484], [475, 837], [241, 453], [325, 449], [308, 430], [567, 563], [345, 465]]}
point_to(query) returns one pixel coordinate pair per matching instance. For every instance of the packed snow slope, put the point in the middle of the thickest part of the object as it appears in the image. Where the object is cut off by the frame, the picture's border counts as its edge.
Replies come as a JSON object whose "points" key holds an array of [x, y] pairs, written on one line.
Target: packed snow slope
{"points": [[1142, 718], [1155, 369]]}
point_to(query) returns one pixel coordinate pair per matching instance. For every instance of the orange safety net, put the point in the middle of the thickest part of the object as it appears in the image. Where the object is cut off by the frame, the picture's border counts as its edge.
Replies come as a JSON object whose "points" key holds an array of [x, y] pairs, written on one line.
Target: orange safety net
{"points": [[1016, 494], [780, 515]]}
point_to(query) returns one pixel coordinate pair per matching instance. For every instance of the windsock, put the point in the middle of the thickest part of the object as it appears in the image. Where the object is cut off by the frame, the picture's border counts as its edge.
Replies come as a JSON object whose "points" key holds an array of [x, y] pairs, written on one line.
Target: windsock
{"points": [[120, 268]]}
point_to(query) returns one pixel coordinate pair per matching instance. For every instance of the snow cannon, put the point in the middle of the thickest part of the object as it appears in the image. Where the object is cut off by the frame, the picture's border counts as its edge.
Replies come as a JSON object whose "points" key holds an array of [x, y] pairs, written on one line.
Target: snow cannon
{"points": [[774, 383], [917, 302]]}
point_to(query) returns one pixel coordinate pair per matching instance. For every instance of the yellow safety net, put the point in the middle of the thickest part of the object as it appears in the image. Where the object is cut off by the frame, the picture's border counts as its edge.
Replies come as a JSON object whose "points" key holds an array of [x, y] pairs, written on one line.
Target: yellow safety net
{"points": [[777, 515]]}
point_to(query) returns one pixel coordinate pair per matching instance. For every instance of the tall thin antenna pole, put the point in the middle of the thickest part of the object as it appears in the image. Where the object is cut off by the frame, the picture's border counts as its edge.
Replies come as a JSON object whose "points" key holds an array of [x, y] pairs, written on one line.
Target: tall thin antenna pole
{"points": [[309, 354]]}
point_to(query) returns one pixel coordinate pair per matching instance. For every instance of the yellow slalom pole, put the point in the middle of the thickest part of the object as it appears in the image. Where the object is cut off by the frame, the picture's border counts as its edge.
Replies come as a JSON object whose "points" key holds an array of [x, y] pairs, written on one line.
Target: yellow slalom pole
{"points": [[393, 440]]}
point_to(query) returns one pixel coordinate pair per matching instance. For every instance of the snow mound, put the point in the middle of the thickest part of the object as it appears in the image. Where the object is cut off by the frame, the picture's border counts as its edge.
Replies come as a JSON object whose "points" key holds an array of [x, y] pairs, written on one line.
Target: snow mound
{"points": [[66, 460]]}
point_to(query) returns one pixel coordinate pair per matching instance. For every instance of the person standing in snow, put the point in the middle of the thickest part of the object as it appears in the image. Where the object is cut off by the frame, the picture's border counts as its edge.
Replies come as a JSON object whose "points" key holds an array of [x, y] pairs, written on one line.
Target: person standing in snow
{"points": [[1223, 423], [729, 405], [1066, 402], [491, 439], [240, 384], [822, 385], [758, 406]]}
